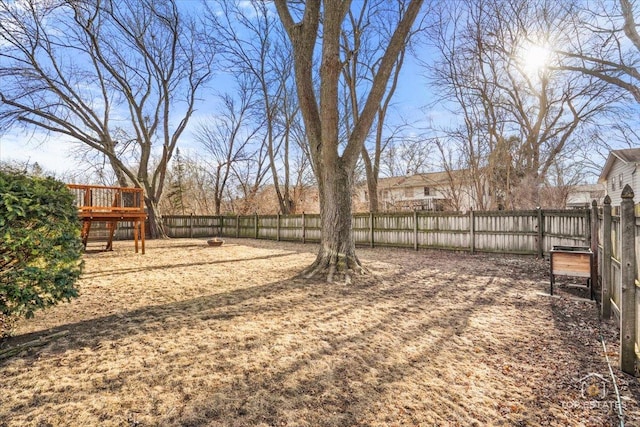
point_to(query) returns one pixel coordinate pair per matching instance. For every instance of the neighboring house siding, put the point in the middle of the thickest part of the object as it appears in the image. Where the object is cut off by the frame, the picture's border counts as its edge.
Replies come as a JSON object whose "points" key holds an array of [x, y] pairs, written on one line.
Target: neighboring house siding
{"points": [[619, 170], [621, 173], [424, 191], [408, 193]]}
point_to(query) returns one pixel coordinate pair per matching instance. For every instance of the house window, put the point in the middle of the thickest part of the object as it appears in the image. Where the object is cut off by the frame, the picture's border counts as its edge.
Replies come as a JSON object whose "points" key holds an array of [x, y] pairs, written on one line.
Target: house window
{"points": [[620, 181], [385, 194], [366, 196], [408, 192], [426, 191], [613, 184]]}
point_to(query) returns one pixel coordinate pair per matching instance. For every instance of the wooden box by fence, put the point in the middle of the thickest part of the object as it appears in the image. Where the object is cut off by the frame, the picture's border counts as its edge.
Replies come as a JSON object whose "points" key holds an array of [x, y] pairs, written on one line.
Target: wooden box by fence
{"points": [[575, 261]]}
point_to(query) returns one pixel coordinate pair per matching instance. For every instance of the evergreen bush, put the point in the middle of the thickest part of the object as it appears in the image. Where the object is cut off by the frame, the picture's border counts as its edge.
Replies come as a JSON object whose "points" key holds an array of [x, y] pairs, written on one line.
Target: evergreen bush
{"points": [[40, 245]]}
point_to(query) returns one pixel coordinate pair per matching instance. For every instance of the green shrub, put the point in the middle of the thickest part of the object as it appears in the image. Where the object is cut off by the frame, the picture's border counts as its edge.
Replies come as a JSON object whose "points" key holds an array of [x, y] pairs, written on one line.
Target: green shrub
{"points": [[40, 245]]}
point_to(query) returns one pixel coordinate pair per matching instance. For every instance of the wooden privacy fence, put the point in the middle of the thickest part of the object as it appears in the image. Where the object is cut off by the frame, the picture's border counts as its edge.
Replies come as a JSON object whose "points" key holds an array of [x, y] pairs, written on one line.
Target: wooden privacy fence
{"points": [[618, 249], [532, 232]]}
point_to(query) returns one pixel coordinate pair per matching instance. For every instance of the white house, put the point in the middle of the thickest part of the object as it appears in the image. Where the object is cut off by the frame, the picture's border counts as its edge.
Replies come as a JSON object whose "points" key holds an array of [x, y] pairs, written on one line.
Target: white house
{"points": [[621, 169], [581, 196]]}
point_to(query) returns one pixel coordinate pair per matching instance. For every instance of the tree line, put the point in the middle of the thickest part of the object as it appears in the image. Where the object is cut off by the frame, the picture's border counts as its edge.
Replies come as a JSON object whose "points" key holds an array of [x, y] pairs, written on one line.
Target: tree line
{"points": [[522, 94]]}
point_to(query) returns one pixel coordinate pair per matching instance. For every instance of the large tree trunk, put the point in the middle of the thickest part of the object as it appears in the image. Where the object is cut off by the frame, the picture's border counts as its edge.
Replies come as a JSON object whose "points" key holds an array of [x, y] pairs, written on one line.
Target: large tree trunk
{"points": [[321, 116], [337, 256], [156, 226]]}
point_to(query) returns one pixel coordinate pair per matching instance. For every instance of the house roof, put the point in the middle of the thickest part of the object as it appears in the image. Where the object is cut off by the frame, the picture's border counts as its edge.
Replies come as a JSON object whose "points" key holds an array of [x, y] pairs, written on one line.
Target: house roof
{"points": [[629, 155], [579, 195], [418, 180]]}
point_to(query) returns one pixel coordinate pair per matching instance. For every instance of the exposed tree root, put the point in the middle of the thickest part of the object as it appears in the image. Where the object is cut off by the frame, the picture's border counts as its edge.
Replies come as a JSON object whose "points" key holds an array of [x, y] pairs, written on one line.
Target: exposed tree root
{"points": [[334, 268]]}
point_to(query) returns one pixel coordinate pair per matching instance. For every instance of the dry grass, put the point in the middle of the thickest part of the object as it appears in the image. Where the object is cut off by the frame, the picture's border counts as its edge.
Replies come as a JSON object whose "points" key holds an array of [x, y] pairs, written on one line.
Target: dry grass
{"points": [[192, 335]]}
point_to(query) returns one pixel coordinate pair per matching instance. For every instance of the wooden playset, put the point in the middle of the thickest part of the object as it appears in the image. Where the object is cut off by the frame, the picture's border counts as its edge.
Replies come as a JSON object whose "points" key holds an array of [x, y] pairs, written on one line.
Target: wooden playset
{"points": [[110, 205]]}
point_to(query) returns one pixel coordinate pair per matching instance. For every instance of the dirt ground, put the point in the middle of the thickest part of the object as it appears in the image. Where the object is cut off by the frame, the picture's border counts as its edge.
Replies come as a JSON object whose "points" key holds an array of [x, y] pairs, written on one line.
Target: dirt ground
{"points": [[190, 335]]}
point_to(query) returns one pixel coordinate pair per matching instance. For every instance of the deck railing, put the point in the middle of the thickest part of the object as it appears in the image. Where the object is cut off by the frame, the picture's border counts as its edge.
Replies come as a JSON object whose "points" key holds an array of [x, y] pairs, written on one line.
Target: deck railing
{"points": [[91, 199]]}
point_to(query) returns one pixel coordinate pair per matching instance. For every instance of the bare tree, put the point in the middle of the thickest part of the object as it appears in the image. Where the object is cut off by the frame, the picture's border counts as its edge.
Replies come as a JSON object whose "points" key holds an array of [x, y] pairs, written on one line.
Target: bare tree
{"points": [[455, 190], [191, 189], [364, 36], [405, 154], [198, 179], [334, 167], [603, 41], [517, 118], [227, 137], [255, 47], [250, 176], [120, 76], [465, 90]]}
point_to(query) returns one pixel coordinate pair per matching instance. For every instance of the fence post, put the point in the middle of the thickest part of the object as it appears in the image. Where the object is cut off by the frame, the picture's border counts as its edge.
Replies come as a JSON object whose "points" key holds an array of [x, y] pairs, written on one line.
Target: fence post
{"points": [[191, 225], [371, 229], [278, 229], [255, 225], [606, 258], [540, 232], [587, 231], [415, 230], [304, 231], [221, 219], [237, 226], [594, 247], [472, 231], [628, 285]]}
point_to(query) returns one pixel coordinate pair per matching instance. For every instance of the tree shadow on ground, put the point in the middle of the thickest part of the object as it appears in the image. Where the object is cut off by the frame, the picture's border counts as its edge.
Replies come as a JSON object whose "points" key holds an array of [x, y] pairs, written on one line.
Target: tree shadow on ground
{"points": [[236, 403], [385, 350], [359, 371], [113, 327]]}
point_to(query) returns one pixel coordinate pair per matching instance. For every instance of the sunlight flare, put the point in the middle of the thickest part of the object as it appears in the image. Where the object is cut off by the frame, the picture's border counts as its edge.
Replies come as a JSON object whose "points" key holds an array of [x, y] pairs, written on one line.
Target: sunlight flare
{"points": [[534, 58]]}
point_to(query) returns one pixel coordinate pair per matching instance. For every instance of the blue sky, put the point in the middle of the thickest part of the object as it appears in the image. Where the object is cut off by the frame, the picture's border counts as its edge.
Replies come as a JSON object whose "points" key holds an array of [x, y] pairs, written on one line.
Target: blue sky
{"points": [[55, 153]]}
